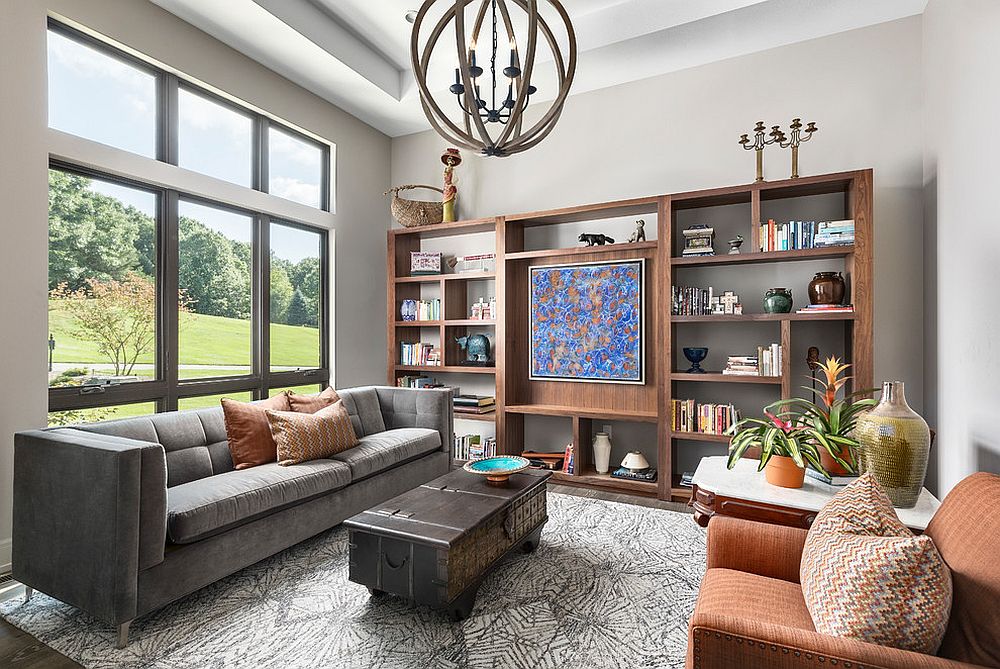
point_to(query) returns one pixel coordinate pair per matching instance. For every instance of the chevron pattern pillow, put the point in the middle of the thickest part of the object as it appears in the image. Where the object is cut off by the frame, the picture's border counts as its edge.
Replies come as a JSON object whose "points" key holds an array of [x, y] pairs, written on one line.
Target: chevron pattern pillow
{"points": [[301, 437], [864, 575]]}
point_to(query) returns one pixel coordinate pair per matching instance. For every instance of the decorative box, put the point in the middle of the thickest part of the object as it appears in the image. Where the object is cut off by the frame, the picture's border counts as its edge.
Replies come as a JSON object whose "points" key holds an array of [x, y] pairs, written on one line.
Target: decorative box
{"points": [[484, 262], [423, 263]]}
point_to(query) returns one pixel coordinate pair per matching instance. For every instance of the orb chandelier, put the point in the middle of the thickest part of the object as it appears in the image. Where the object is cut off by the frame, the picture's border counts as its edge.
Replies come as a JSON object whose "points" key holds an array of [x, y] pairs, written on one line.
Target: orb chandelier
{"points": [[491, 103]]}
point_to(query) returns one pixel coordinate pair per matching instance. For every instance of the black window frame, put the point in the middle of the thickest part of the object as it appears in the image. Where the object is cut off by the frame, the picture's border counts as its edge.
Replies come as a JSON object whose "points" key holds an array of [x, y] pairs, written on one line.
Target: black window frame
{"points": [[168, 86]]}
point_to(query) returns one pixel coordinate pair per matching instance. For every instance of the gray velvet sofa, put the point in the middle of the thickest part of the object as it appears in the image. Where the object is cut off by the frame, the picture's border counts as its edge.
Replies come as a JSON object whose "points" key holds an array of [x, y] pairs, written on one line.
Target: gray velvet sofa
{"points": [[122, 517]]}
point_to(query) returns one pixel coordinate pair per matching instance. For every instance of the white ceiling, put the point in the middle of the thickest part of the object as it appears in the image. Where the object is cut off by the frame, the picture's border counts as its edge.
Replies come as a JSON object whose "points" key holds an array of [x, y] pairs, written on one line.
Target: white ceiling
{"points": [[355, 53]]}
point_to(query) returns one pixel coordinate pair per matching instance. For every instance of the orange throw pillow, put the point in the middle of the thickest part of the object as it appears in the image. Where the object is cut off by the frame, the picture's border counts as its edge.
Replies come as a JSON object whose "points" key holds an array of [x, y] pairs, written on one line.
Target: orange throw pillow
{"points": [[302, 437], [248, 432], [312, 403]]}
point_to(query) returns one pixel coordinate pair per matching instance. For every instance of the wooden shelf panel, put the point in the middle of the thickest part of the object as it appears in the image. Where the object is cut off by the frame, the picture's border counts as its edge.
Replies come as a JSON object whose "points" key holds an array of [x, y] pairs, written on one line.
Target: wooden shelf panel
{"points": [[588, 212], [447, 229], [700, 436], [418, 324], [582, 412], [750, 318], [482, 417], [770, 257], [679, 493], [470, 321], [724, 378], [581, 250], [591, 478], [434, 278], [451, 369]]}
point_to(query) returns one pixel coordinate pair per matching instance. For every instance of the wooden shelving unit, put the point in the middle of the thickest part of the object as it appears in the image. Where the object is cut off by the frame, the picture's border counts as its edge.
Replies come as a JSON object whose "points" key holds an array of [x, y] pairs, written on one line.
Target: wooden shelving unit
{"points": [[581, 403]]}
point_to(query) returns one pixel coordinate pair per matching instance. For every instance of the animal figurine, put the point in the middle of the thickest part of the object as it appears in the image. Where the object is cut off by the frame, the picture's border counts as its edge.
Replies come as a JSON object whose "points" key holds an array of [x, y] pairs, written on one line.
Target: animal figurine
{"points": [[640, 232], [735, 244], [476, 347], [595, 239]]}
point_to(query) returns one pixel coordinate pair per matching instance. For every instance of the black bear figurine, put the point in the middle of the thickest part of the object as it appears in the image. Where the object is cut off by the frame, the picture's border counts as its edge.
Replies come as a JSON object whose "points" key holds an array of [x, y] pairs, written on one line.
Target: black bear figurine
{"points": [[595, 239]]}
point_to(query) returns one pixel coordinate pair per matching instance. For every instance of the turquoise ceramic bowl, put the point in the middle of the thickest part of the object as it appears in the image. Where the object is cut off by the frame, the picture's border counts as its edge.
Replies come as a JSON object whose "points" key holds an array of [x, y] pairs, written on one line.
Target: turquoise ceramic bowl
{"points": [[497, 470]]}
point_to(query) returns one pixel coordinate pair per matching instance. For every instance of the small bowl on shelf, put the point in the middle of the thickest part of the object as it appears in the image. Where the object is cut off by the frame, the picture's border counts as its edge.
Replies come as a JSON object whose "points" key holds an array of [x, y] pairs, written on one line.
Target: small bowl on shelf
{"points": [[497, 469]]}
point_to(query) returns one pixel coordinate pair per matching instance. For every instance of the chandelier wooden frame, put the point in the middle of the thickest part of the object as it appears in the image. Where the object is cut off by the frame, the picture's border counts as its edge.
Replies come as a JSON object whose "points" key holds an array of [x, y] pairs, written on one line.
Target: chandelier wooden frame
{"points": [[473, 134]]}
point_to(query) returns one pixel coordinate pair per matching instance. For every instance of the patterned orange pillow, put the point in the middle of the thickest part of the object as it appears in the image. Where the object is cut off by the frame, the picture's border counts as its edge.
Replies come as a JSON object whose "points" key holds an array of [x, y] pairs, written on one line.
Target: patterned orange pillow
{"points": [[864, 575], [313, 403], [301, 437]]}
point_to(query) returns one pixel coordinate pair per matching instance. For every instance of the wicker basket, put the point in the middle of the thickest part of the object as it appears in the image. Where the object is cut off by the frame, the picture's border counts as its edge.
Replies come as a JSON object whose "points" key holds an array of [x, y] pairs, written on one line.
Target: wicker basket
{"points": [[415, 213]]}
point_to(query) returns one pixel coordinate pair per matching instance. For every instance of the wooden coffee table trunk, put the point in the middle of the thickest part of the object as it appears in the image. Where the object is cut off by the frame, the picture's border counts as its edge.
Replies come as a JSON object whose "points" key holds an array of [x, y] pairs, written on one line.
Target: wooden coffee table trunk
{"points": [[435, 544]]}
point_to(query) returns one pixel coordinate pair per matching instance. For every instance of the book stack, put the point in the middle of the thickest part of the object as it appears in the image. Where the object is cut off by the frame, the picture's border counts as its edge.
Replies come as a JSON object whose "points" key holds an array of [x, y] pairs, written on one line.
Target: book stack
{"points": [[769, 360], [795, 235], [827, 309], [742, 365], [688, 416], [691, 301], [417, 382], [474, 404], [648, 474], [428, 310], [474, 447], [831, 480], [687, 479], [540, 460], [420, 354]]}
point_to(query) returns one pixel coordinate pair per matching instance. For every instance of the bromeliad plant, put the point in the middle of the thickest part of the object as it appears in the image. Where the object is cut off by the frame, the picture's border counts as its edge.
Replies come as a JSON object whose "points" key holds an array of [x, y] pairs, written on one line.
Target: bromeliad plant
{"points": [[799, 428]]}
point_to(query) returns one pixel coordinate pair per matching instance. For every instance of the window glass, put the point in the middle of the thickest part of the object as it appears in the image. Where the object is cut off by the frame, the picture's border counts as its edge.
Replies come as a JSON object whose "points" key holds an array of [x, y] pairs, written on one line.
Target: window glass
{"points": [[209, 401], [77, 416], [214, 139], [102, 281], [99, 97], [295, 168], [312, 389], [214, 268], [295, 297]]}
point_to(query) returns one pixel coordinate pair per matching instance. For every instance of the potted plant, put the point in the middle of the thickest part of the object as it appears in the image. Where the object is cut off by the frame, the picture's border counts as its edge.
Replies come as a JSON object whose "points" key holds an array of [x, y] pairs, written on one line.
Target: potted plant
{"points": [[798, 432]]}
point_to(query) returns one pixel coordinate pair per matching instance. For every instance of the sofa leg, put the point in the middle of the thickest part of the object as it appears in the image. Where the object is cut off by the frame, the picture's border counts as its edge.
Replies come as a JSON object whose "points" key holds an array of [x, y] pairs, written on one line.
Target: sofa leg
{"points": [[28, 592], [123, 634]]}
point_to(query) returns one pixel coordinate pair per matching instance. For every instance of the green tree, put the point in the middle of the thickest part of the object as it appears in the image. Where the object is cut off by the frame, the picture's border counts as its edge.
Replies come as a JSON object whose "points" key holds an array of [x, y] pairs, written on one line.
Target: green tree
{"points": [[306, 276], [281, 293], [298, 312], [213, 271], [94, 236]]}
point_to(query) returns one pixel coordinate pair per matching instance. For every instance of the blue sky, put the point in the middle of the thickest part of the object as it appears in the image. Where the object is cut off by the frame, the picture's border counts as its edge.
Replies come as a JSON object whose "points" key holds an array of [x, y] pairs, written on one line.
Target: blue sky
{"points": [[101, 98]]}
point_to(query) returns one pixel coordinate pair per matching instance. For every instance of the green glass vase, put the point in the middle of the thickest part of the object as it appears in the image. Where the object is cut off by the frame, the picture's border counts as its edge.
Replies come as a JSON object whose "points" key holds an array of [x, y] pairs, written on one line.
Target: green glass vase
{"points": [[894, 445]]}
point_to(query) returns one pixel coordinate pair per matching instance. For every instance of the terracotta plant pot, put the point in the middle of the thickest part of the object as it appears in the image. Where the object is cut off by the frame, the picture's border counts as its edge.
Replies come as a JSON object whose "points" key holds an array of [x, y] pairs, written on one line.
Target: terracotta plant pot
{"points": [[783, 472], [832, 467]]}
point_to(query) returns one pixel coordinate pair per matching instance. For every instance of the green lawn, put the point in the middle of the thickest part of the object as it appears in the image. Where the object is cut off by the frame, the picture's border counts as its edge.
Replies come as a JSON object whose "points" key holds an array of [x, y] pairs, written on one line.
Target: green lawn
{"points": [[204, 340]]}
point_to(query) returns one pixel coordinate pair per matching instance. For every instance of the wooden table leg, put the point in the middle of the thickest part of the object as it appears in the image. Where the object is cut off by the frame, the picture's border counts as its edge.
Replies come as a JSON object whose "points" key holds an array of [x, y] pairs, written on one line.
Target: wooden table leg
{"points": [[532, 541]]}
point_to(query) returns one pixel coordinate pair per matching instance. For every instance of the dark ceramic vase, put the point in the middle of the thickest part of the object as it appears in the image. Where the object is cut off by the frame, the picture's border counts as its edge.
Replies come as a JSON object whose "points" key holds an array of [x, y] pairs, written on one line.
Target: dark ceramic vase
{"points": [[695, 354], [778, 301], [827, 288]]}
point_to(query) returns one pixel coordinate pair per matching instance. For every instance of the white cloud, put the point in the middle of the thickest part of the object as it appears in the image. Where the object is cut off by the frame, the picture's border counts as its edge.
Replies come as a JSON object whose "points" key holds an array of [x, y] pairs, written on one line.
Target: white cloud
{"points": [[294, 149], [84, 61], [204, 114], [293, 189]]}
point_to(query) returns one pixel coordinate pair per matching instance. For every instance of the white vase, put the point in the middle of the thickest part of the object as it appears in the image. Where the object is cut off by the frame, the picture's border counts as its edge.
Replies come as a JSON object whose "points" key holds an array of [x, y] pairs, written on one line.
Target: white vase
{"points": [[602, 453]]}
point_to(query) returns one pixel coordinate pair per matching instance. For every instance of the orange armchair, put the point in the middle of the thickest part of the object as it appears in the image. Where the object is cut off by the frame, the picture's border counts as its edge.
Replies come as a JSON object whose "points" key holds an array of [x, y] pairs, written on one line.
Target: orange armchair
{"points": [[751, 613]]}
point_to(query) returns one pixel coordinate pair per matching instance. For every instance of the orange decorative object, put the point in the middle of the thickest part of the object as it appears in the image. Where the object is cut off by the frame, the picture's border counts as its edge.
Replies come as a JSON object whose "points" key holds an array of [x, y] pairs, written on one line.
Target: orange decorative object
{"points": [[783, 472]]}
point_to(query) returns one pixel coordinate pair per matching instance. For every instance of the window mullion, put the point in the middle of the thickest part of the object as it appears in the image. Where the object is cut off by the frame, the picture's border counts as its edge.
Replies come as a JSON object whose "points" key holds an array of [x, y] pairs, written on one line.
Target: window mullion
{"points": [[261, 173], [170, 302], [169, 118], [262, 301]]}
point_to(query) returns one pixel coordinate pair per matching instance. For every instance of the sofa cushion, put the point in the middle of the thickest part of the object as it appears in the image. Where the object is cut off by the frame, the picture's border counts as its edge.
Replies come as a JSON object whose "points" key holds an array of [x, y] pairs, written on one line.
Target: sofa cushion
{"points": [[302, 437], [865, 576], [378, 452], [738, 594], [211, 505], [312, 403], [364, 409]]}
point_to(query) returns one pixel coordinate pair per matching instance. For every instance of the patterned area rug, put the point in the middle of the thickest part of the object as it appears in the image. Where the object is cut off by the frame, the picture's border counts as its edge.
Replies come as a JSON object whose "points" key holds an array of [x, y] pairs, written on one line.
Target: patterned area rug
{"points": [[612, 585]]}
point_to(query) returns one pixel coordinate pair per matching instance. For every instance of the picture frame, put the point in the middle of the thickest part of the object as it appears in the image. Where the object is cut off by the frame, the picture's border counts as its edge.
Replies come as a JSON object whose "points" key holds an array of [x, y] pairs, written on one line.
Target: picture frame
{"points": [[586, 322]]}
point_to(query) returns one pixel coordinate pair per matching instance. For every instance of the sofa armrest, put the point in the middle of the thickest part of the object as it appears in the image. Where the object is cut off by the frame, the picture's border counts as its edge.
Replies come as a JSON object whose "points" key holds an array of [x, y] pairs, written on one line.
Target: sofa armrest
{"points": [[758, 548], [419, 407], [723, 642], [89, 514]]}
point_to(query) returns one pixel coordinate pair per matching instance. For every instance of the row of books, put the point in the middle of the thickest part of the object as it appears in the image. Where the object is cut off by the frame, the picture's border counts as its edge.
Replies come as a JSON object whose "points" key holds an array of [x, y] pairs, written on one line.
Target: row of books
{"points": [[474, 404], [827, 309], [420, 354], [474, 447], [417, 382], [428, 310], [689, 416], [795, 235], [767, 362], [686, 301]]}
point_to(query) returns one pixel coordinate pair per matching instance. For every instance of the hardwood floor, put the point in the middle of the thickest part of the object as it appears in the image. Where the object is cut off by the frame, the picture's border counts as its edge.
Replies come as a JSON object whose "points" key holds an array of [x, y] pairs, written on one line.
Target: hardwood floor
{"points": [[20, 650]]}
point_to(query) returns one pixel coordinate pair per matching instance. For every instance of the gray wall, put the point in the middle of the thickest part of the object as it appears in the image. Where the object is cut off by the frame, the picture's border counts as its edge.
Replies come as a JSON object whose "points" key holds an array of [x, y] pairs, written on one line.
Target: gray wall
{"points": [[678, 132], [963, 233], [359, 223]]}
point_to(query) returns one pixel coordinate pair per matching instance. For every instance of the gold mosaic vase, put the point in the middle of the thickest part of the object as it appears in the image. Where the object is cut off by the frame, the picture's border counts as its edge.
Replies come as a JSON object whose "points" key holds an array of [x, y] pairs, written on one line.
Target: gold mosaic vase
{"points": [[894, 446]]}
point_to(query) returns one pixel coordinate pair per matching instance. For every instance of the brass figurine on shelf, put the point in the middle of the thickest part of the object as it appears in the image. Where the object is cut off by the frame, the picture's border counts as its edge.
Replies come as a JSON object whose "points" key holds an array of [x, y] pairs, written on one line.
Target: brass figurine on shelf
{"points": [[795, 139], [759, 143], [640, 232], [735, 244]]}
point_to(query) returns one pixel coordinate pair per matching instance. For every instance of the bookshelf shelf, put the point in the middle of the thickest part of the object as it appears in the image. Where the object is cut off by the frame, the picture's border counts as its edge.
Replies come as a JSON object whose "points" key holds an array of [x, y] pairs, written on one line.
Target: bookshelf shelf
{"points": [[730, 210], [770, 257], [724, 378]]}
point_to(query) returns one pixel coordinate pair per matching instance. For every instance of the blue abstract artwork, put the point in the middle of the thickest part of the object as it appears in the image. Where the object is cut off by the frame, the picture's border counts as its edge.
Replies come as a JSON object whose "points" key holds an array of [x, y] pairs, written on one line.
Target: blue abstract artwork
{"points": [[587, 322]]}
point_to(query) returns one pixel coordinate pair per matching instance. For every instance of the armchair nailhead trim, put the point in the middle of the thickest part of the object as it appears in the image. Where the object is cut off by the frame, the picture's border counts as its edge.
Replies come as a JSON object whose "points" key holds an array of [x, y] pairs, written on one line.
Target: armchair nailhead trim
{"points": [[697, 632]]}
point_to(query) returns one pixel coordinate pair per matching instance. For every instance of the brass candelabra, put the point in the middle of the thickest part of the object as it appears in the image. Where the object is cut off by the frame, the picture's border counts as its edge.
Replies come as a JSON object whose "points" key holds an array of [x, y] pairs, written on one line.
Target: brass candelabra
{"points": [[758, 144], [794, 139]]}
